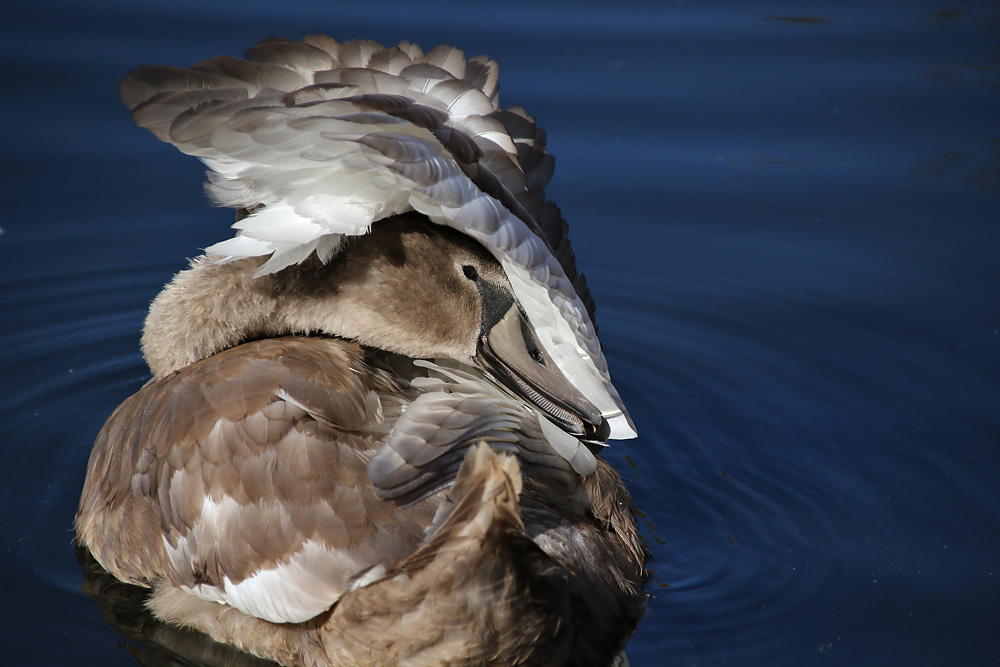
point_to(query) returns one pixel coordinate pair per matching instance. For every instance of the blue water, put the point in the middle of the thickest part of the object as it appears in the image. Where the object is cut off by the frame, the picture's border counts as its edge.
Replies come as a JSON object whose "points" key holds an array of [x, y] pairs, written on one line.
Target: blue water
{"points": [[791, 229]]}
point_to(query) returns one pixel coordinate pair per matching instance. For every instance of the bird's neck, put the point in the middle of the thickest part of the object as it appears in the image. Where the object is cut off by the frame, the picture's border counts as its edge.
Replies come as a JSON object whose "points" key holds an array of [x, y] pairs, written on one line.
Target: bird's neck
{"points": [[206, 309]]}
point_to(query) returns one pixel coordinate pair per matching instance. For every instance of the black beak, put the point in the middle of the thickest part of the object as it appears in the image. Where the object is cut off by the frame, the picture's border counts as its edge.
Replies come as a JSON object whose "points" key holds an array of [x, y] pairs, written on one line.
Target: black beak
{"points": [[509, 353]]}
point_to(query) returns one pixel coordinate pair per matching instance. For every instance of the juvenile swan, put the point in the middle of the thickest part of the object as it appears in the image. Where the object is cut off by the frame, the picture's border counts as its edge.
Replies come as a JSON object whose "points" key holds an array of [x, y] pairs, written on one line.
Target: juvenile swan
{"points": [[372, 433]]}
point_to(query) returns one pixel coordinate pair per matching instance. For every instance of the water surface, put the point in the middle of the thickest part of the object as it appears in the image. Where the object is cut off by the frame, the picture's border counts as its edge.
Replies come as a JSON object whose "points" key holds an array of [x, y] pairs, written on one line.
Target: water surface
{"points": [[789, 218]]}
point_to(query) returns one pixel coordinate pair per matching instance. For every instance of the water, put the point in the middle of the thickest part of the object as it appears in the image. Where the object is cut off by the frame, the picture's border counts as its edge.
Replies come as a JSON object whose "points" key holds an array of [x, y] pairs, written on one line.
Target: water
{"points": [[791, 229]]}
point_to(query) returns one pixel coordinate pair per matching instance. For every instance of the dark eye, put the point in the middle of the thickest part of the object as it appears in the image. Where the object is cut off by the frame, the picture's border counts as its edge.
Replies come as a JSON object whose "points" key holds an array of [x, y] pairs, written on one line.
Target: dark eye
{"points": [[470, 272]]}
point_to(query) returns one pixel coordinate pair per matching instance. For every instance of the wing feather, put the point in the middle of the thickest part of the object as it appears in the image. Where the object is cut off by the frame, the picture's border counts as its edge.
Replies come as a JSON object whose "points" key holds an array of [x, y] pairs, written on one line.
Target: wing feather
{"points": [[299, 56], [295, 123], [247, 479], [457, 410]]}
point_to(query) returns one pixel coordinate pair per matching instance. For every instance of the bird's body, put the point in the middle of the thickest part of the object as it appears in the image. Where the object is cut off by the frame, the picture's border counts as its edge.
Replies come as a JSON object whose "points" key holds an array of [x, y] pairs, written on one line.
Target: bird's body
{"points": [[368, 452]]}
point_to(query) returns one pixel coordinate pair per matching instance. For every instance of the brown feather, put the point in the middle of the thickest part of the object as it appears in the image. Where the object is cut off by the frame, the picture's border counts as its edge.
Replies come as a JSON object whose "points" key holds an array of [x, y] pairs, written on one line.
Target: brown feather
{"points": [[247, 457]]}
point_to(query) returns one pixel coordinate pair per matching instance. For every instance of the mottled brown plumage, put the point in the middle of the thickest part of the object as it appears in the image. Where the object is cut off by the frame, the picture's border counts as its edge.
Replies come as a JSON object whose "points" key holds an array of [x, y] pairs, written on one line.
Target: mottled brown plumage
{"points": [[373, 429], [242, 474]]}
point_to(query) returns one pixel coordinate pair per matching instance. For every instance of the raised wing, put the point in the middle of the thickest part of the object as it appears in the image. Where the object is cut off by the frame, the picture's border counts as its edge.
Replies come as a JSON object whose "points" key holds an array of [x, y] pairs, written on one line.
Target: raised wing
{"points": [[242, 479], [318, 140], [459, 409]]}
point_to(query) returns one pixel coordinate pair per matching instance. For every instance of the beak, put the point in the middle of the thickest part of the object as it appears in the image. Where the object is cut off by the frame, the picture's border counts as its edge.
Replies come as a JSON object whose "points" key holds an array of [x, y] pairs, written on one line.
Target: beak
{"points": [[509, 354]]}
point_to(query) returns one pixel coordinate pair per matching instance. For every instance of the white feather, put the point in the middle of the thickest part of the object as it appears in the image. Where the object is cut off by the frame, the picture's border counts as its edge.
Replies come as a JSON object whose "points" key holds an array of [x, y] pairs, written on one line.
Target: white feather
{"points": [[306, 584], [325, 164]]}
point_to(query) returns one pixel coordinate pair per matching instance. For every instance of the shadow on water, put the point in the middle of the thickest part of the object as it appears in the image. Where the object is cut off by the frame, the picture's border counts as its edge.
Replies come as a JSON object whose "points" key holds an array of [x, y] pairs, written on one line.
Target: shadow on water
{"points": [[122, 606]]}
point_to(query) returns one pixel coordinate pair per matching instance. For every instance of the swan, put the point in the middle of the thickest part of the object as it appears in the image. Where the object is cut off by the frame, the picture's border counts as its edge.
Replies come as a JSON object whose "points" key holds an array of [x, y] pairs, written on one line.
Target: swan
{"points": [[373, 431]]}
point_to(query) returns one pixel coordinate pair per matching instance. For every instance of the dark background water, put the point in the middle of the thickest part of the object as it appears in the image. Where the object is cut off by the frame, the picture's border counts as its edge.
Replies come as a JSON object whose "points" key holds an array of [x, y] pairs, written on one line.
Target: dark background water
{"points": [[791, 228]]}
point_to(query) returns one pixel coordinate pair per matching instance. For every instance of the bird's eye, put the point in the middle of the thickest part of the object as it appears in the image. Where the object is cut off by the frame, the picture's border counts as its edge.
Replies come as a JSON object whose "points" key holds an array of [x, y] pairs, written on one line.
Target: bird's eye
{"points": [[470, 272]]}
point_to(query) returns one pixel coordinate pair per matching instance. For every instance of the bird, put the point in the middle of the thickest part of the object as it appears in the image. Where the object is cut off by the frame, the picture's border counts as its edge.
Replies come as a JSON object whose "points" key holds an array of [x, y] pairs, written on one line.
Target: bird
{"points": [[374, 426]]}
